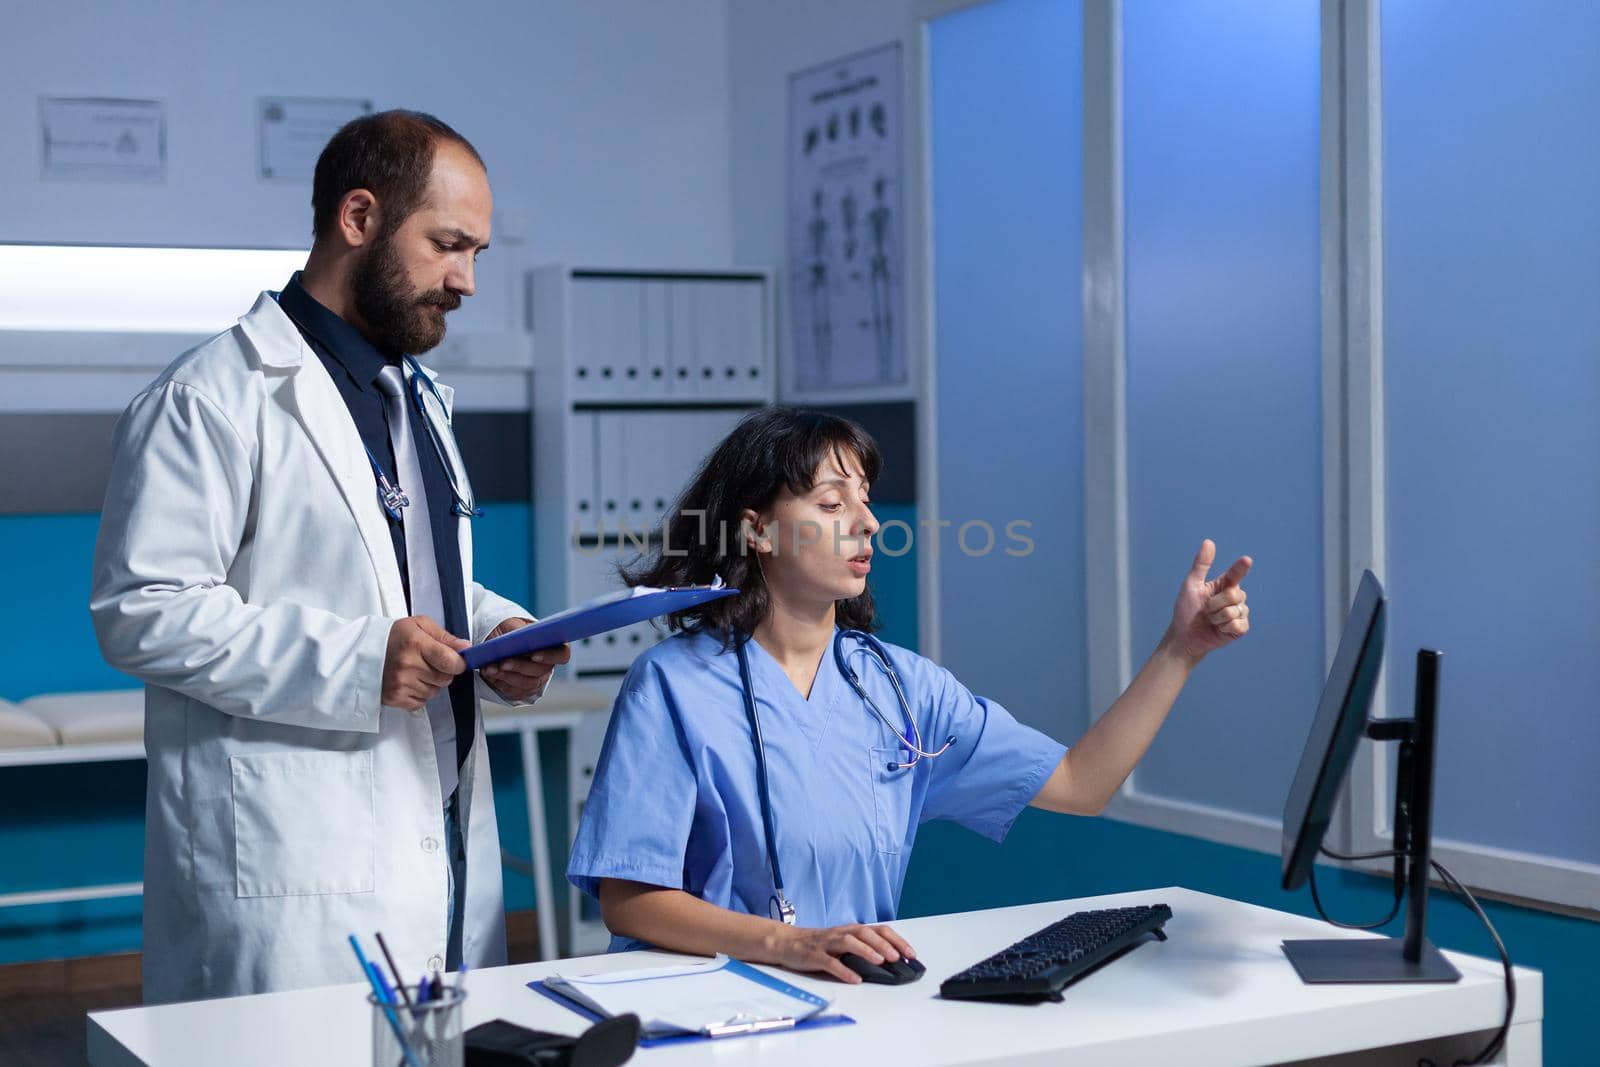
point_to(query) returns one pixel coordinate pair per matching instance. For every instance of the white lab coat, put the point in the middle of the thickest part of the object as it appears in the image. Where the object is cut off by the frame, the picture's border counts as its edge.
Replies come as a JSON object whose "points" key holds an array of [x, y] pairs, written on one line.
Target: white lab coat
{"points": [[245, 573]]}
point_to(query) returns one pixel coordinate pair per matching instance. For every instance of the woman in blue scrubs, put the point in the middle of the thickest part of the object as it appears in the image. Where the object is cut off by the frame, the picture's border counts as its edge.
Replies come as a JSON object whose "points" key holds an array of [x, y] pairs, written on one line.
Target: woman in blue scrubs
{"points": [[672, 840]]}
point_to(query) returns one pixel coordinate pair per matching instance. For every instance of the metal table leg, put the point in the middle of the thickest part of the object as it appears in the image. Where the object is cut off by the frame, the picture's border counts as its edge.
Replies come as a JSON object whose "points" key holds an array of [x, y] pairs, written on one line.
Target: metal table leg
{"points": [[544, 890]]}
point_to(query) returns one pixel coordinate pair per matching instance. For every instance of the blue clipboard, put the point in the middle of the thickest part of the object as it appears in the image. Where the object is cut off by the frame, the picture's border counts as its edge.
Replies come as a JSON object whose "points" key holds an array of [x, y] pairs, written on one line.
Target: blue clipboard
{"points": [[595, 617], [813, 1023]]}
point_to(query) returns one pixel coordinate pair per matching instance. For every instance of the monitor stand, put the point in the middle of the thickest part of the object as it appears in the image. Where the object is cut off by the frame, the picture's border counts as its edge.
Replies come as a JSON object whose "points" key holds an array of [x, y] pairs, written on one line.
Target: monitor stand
{"points": [[1381, 959], [1395, 959]]}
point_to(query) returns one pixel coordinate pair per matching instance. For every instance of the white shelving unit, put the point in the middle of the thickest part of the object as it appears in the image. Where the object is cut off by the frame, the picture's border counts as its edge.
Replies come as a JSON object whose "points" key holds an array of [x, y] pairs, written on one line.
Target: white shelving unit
{"points": [[636, 375]]}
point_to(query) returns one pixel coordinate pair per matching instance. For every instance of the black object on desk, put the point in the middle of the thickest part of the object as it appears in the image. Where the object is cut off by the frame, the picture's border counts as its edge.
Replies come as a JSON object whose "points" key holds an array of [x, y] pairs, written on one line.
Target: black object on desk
{"points": [[899, 972], [1039, 965], [1340, 723], [607, 1043]]}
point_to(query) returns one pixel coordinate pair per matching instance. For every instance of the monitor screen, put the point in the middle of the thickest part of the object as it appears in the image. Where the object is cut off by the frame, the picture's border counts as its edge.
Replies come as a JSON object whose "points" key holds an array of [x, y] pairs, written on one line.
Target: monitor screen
{"points": [[1340, 722]]}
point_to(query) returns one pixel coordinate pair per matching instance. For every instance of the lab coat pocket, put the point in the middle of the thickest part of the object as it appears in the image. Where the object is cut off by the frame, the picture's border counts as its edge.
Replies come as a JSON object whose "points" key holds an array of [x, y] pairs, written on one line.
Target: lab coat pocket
{"points": [[891, 799], [303, 823]]}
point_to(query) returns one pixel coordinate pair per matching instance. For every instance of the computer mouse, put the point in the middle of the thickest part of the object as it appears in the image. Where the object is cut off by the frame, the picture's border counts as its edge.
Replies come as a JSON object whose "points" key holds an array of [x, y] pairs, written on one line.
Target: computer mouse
{"points": [[899, 972]]}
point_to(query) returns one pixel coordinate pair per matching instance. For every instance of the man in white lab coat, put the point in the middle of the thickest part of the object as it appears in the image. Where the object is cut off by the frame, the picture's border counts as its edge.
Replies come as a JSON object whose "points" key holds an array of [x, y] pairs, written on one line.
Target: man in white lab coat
{"points": [[285, 560]]}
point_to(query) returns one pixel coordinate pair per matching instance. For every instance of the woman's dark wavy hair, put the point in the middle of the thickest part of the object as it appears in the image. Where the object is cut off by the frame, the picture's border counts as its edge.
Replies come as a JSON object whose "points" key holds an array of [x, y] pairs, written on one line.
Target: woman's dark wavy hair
{"points": [[771, 450]]}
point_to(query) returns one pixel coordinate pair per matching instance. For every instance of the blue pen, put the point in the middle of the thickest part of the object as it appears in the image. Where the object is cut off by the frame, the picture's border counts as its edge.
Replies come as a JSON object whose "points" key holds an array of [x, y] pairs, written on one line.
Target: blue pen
{"points": [[424, 989], [385, 1001], [385, 990]]}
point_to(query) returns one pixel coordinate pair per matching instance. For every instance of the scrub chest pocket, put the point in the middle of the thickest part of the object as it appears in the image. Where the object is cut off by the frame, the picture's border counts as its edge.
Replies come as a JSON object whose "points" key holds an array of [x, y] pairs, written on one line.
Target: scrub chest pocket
{"points": [[303, 823], [891, 798]]}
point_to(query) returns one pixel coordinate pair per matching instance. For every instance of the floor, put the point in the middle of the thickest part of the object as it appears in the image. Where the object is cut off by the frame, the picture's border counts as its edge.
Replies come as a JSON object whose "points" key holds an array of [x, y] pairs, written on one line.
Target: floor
{"points": [[49, 1029]]}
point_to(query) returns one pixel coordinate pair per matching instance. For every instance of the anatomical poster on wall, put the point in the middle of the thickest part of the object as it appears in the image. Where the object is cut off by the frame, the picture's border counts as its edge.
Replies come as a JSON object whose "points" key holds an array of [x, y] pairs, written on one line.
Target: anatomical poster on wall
{"points": [[845, 249]]}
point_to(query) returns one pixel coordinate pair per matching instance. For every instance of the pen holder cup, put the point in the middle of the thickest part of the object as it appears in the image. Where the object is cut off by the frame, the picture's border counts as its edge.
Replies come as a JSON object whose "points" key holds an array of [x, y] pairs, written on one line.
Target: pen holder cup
{"points": [[432, 1031]]}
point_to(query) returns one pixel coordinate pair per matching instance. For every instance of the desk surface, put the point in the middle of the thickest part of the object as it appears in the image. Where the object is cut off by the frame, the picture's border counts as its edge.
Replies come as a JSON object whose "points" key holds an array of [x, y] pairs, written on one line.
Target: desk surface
{"points": [[1218, 991]]}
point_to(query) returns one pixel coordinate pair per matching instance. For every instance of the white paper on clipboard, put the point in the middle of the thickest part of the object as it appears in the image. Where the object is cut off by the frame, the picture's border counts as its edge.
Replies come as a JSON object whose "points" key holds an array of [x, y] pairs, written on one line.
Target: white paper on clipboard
{"points": [[696, 998]]}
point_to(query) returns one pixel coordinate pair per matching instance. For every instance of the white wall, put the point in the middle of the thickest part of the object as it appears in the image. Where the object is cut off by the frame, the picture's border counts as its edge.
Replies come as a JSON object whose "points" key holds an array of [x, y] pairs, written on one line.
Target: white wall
{"points": [[604, 123], [770, 40]]}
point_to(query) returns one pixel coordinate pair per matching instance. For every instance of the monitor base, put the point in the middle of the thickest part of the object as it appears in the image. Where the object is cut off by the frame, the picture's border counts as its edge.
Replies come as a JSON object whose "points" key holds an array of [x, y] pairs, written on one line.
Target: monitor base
{"points": [[1345, 960]]}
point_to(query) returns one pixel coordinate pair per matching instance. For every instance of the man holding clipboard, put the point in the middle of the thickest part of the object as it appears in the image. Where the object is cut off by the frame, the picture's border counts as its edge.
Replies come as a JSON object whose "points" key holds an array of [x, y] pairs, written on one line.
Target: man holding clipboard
{"points": [[285, 560]]}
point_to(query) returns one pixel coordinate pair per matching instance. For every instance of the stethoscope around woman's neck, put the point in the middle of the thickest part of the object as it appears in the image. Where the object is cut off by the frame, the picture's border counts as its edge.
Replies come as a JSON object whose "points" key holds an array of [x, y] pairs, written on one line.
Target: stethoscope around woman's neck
{"points": [[778, 906]]}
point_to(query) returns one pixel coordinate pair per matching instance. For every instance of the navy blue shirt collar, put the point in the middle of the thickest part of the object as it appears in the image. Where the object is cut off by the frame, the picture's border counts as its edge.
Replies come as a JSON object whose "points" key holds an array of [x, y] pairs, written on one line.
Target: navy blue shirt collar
{"points": [[360, 358]]}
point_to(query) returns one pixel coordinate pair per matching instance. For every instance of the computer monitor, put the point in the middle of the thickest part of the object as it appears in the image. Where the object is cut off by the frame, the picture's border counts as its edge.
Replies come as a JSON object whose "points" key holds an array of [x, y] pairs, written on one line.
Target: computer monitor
{"points": [[1341, 721]]}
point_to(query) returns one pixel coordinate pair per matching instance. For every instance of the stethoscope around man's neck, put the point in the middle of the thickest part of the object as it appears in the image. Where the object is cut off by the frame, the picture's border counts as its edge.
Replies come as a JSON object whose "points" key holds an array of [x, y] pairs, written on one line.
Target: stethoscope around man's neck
{"points": [[436, 421], [779, 906]]}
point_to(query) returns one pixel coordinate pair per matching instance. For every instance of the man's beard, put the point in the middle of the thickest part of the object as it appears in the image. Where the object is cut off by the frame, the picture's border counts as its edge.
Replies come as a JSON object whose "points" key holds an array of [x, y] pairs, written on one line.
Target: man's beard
{"points": [[399, 320]]}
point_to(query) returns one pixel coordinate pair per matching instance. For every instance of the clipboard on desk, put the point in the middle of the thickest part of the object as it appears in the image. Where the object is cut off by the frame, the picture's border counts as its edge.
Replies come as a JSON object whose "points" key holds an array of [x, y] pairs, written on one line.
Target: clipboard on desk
{"points": [[610, 612], [717, 999]]}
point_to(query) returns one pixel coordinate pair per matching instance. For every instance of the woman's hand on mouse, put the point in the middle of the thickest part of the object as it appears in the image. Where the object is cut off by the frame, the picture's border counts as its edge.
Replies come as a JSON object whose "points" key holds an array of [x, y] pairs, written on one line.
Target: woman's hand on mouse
{"points": [[818, 949]]}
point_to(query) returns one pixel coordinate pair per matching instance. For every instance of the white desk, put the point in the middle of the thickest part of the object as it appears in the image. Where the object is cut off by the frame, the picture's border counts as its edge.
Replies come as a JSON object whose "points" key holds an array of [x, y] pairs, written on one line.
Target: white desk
{"points": [[1219, 991]]}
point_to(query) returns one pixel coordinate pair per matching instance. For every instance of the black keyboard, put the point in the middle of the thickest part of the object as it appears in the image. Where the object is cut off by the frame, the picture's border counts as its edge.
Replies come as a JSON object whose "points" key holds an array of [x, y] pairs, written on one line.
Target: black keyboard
{"points": [[1041, 963]]}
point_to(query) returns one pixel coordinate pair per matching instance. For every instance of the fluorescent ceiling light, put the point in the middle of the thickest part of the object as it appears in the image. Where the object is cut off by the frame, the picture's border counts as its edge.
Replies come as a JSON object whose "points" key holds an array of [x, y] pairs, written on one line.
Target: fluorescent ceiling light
{"points": [[158, 290]]}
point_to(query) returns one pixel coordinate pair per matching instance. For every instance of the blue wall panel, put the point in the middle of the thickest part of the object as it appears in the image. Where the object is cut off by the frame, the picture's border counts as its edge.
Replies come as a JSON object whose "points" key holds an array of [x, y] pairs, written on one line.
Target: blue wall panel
{"points": [[894, 579], [1492, 376], [1008, 237], [46, 624], [71, 826], [1224, 374]]}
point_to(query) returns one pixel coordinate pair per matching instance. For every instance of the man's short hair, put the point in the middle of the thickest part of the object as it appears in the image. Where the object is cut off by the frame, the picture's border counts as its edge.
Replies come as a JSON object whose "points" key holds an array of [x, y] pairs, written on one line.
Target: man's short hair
{"points": [[390, 154]]}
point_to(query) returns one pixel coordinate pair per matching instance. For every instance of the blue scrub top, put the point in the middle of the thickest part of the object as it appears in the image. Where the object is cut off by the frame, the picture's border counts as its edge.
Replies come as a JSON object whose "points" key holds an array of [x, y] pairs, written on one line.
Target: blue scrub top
{"points": [[674, 800]]}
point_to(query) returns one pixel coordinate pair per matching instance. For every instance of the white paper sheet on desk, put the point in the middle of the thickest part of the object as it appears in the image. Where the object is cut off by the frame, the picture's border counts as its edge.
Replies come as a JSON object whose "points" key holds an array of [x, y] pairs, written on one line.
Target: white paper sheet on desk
{"points": [[689, 998]]}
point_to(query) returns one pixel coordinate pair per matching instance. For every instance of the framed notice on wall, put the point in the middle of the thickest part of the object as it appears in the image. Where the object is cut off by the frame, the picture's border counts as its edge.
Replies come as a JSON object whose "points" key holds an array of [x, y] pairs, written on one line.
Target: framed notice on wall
{"points": [[846, 259], [294, 130], [103, 138]]}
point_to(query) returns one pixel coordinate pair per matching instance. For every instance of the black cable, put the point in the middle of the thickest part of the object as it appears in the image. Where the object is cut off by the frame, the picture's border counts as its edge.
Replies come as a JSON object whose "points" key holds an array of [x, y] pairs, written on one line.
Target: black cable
{"points": [[1317, 900], [1499, 1039], [1455, 886], [1331, 854]]}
